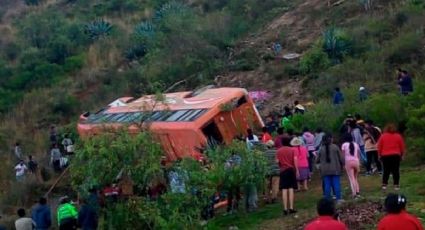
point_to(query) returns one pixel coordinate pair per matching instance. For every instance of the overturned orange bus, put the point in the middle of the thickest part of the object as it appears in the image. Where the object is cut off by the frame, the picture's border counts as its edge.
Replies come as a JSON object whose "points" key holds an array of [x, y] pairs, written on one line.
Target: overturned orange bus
{"points": [[183, 122]]}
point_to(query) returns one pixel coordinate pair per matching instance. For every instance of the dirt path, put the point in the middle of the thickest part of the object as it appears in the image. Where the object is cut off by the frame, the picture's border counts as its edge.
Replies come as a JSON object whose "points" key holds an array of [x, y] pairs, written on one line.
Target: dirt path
{"points": [[296, 29]]}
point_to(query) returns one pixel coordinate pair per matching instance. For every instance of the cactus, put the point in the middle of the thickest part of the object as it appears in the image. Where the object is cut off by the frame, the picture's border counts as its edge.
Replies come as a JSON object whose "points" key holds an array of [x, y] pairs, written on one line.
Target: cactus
{"points": [[97, 29], [336, 44], [144, 30], [170, 8], [32, 2], [135, 52]]}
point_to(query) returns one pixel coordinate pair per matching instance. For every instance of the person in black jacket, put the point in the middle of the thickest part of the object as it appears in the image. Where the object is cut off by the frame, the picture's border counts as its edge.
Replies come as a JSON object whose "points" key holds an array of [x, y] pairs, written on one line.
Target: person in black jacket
{"points": [[87, 216]]}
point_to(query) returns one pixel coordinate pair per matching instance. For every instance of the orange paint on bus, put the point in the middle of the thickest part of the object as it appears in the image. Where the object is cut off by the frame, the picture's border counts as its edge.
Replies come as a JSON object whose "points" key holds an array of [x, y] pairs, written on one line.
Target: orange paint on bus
{"points": [[221, 114]]}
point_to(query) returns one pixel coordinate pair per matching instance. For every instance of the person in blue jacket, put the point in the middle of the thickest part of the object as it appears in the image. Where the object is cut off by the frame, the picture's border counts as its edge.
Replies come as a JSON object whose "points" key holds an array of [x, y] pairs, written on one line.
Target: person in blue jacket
{"points": [[88, 218], [405, 83], [338, 97], [42, 215]]}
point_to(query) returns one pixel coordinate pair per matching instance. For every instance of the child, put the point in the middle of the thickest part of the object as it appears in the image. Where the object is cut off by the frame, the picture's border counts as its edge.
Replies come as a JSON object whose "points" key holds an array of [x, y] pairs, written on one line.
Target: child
{"points": [[351, 152]]}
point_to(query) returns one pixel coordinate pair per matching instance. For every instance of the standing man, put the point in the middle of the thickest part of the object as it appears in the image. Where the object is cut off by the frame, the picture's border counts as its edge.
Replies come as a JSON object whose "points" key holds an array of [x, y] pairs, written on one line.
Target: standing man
{"points": [[288, 164], [42, 215], [20, 170]]}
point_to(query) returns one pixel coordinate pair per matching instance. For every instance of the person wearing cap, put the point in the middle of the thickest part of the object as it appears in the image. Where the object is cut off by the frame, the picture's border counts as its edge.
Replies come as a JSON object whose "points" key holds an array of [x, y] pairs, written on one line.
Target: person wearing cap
{"points": [[67, 215], [326, 220], [397, 217], [298, 108], [304, 171], [362, 94]]}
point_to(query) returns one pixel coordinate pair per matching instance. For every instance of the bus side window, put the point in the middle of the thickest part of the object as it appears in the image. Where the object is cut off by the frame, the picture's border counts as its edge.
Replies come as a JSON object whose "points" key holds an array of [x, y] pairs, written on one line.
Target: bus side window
{"points": [[241, 101]]}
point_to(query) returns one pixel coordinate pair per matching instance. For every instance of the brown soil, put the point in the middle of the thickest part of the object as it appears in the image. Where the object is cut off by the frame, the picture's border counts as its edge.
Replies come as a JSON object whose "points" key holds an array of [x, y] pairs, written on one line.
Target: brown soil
{"points": [[300, 29]]}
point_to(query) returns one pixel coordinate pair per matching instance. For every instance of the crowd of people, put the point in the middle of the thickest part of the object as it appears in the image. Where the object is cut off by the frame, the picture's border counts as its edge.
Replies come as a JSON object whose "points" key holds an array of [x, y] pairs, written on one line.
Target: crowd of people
{"points": [[58, 156]]}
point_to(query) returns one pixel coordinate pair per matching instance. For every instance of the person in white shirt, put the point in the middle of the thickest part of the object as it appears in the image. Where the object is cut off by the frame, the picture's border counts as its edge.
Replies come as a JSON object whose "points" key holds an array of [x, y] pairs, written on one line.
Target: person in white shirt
{"points": [[24, 223], [251, 139], [20, 170]]}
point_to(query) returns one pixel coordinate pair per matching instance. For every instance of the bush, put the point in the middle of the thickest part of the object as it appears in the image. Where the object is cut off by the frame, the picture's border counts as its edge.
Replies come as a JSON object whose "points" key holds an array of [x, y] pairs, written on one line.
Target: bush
{"points": [[98, 29], [74, 63], [314, 61], [405, 48], [336, 44]]}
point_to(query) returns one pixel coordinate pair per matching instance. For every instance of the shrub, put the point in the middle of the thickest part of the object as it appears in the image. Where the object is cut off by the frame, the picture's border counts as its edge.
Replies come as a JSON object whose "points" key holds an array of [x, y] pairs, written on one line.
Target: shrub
{"points": [[314, 61], [97, 29], [169, 9], [404, 48], [32, 2], [74, 63], [336, 44]]}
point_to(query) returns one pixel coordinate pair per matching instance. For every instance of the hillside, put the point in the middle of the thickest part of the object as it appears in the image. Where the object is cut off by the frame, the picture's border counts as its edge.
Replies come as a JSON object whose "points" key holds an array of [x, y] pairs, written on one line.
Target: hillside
{"points": [[59, 58]]}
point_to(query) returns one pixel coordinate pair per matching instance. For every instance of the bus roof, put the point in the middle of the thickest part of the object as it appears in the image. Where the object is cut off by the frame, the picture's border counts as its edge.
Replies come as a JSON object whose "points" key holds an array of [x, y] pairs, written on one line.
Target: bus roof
{"points": [[206, 99], [172, 107]]}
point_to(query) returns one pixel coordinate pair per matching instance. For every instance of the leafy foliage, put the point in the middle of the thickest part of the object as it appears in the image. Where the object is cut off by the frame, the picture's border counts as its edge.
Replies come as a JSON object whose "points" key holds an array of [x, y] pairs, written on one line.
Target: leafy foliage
{"points": [[137, 156], [336, 44], [314, 61], [172, 8], [97, 29]]}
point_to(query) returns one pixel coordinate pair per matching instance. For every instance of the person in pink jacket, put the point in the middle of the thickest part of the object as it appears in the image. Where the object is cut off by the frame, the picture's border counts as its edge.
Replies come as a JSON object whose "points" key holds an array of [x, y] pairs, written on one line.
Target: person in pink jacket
{"points": [[351, 151], [302, 154]]}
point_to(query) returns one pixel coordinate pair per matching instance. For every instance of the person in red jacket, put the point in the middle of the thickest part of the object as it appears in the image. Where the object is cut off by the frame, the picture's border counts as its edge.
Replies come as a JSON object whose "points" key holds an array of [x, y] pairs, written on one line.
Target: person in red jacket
{"points": [[397, 217], [326, 219], [391, 150], [266, 136]]}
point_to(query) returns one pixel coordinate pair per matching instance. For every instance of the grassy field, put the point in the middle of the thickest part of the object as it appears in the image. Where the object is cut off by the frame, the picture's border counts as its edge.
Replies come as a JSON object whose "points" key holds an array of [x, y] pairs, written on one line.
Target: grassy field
{"points": [[270, 216]]}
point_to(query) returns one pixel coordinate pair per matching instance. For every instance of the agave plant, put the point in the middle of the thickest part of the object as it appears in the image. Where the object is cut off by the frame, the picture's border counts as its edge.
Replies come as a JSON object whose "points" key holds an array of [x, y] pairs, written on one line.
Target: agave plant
{"points": [[97, 29], [32, 2], [144, 30], [135, 52], [169, 9], [336, 44]]}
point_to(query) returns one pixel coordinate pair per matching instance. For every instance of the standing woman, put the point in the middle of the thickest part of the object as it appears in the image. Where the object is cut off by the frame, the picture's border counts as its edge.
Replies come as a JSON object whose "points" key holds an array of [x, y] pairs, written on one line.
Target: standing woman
{"points": [[351, 152], [391, 150], [302, 155], [331, 163]]}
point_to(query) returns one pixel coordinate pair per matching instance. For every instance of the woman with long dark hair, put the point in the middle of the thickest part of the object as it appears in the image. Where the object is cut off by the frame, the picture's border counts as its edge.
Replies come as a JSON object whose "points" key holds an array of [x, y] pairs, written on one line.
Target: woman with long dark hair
{"points": [[391, 150], [351, 152], [331, 163]]}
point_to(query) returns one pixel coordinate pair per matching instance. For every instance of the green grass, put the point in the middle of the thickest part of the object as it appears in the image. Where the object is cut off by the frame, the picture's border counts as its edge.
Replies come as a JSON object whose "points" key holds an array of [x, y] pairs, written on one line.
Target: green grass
{"points": [[270, 216]]}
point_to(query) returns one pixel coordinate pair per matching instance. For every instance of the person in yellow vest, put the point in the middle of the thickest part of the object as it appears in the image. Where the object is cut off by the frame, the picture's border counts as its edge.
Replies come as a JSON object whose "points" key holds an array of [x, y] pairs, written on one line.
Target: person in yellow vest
{"points": [[67, 215]]}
